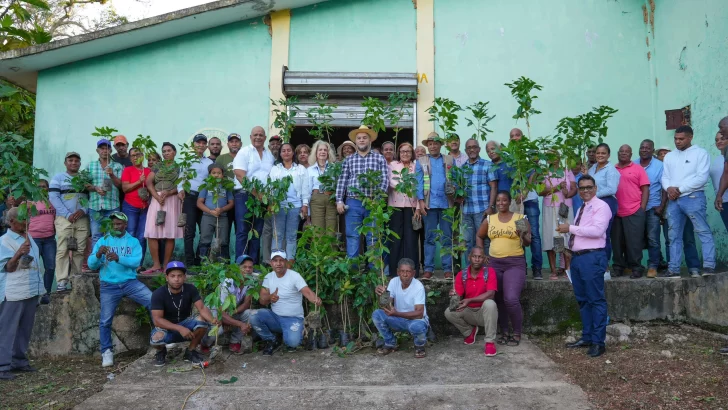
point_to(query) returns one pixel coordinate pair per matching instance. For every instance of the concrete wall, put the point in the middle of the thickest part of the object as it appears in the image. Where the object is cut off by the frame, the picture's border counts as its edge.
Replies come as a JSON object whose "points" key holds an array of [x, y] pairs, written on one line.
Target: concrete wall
{"points": [[354, 35], [216, 78], [584, 53]]}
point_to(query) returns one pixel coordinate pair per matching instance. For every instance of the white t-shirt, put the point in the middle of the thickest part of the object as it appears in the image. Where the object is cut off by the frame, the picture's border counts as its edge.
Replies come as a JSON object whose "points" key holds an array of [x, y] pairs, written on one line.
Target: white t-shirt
{"points": [[406, 299], [289, 293], [250, 161], [716, 170]]}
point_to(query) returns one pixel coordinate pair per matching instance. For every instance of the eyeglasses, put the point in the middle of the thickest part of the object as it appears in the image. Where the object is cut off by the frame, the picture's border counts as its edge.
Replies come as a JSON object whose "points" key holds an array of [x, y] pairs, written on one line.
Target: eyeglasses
{"points": [[405, 151], [586, 188]]}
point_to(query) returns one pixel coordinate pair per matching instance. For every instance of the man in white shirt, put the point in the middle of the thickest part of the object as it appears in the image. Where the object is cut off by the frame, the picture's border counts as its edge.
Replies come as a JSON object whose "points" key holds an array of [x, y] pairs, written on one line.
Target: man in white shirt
{"points": [[284, 289], [252, 162], [189, 199], [407, 312], [685, 172]]}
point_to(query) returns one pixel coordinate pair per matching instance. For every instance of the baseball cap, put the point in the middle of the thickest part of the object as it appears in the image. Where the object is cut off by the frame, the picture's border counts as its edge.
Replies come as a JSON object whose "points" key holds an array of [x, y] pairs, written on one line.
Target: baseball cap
{"points": [[72, 154], [275, 137], [118, 215], [234, 135], [278, 252], [103, 141], [199, 137], [243, 258], [663, 148], [175, 265], [120, 139]]}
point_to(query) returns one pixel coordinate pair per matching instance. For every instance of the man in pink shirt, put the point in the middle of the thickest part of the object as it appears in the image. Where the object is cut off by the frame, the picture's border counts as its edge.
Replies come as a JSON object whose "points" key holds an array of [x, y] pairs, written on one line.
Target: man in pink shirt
{"points": [[588, 263], [628, 239], [43, 231]]}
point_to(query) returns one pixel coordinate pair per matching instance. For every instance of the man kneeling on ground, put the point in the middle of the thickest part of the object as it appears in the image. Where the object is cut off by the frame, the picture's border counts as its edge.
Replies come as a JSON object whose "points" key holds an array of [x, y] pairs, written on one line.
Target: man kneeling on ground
{"points": [[171, 310], [408, 312], [118, 255], [240, 321], [477, 286], [286, 313]]}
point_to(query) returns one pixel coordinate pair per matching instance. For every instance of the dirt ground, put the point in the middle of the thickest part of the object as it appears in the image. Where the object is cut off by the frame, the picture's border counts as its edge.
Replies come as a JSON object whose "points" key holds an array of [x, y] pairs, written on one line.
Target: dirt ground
{"points": [[638, 374], [60, 383]]}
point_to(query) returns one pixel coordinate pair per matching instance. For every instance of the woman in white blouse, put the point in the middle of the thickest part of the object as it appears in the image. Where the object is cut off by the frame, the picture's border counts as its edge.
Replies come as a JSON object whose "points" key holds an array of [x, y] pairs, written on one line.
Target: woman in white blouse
{"points": [[295, 207], [323, 209]]}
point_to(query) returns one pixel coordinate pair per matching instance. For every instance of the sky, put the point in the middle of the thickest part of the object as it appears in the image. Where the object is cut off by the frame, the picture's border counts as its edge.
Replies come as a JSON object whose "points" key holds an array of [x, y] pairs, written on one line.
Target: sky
{"points": [[141, 9]]}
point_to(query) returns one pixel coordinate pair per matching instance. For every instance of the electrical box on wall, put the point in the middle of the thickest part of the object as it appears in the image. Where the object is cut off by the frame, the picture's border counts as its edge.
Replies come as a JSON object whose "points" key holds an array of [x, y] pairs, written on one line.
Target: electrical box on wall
{"points": [[676, 118]]}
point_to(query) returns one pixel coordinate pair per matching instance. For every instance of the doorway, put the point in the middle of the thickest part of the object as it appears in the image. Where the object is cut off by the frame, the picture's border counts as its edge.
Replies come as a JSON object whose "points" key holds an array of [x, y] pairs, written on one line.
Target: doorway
{"points": [[300, 136]]}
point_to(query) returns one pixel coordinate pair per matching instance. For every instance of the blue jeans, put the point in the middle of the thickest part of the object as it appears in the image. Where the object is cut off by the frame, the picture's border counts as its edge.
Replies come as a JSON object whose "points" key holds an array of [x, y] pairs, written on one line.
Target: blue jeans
{"points": [[354, 218], [692, 259], [436, 218], [287, 220], [386, 324], [95, 218], [724, 215], [47, 250], [243, 226], [652, 230], [171, 336], [265, 323], [110, 295], [612, 202], [691, 206], [533, 214], [471, 223], [137, 222], [587, 278]]}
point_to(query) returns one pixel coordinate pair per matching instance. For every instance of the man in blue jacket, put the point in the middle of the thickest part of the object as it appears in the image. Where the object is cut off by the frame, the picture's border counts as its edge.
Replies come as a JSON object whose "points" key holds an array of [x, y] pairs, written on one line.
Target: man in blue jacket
{"points": [[118, 255]]}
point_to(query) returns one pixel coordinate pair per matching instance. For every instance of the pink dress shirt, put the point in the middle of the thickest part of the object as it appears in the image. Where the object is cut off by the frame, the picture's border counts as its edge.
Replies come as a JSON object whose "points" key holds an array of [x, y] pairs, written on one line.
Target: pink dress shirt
{"points": [[591, 233], [397, 199]]}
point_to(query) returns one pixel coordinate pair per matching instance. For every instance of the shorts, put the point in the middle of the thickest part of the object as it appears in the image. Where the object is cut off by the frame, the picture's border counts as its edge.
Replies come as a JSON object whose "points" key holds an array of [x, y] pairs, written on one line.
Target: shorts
{"points": [[171, 336]]}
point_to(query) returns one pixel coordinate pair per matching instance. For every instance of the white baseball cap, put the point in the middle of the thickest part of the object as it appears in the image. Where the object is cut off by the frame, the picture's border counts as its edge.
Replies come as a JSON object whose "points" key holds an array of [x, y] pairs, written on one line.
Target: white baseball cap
{"points": [[663, 148], [278, 252]]}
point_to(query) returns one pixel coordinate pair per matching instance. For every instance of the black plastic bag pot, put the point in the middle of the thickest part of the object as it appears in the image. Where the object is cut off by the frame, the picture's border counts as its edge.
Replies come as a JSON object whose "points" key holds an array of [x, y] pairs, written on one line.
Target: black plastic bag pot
{"points": [[521, 225], [454, 302], [72, 244], [323, 341], [143, 194], [343, 338], [313, 319], [182, 220], [563, 211], [416, 223], [161, 215], [25, 262], [106, 185], [385, 300], [559, 244]]}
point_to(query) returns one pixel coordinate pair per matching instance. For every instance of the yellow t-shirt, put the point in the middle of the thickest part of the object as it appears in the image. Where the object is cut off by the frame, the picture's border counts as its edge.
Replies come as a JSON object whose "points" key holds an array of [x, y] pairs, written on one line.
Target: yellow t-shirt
{"points": [[504, 241]]}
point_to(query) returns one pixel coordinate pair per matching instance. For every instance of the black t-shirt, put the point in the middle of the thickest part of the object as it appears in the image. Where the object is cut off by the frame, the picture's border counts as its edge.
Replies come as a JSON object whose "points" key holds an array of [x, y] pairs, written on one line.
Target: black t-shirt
{"points": [[125, 162], [177, 307]]}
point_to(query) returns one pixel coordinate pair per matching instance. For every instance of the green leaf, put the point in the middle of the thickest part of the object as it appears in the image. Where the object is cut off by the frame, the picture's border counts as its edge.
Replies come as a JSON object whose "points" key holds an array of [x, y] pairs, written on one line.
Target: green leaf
{"points": [[232, 380]]}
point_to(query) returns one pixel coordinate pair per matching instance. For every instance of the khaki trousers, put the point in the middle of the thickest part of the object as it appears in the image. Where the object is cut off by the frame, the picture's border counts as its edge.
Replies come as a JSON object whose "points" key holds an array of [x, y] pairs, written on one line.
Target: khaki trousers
{"points": [[64, 230], [486, 316], [323, 212]]}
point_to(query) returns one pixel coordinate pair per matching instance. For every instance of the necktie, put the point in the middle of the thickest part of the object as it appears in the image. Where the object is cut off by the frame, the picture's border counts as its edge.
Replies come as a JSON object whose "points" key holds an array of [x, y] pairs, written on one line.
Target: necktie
{"points": [[576, 223]]}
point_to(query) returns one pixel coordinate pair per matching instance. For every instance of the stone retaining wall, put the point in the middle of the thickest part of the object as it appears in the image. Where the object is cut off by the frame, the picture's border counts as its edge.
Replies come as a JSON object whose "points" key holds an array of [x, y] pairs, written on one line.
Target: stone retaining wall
{"points": [[70, 323]]}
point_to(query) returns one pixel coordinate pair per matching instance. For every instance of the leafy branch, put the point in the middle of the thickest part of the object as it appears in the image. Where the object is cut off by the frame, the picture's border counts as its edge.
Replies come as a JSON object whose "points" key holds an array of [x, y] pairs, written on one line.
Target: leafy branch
{"points": [[285, 116], [444, 114], [321, 117], [521, 90], [480, 119]]}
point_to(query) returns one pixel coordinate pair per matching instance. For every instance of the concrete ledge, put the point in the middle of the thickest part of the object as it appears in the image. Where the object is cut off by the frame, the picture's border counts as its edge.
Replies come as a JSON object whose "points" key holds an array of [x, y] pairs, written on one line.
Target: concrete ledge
{"points": [[70, 323]]}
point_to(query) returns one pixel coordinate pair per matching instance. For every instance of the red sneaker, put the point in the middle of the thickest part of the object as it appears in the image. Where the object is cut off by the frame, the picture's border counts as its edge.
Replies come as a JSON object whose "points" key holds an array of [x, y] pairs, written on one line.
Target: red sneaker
{"points": [[489, 349], [235, 348], [204, 349], [471, 338]]}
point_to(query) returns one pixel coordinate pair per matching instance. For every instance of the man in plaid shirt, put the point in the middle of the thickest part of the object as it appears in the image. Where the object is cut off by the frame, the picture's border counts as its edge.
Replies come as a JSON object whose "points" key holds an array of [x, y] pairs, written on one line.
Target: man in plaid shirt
{"points": [[102, 200], [354, 165], [480, 192]]}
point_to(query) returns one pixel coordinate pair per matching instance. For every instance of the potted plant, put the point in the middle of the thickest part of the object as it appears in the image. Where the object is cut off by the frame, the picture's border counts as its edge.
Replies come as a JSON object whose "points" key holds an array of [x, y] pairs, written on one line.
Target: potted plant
{"points": [[265, 200], [107, 134], [188, 157], [285, 116], [147, 146], [218, 187]]}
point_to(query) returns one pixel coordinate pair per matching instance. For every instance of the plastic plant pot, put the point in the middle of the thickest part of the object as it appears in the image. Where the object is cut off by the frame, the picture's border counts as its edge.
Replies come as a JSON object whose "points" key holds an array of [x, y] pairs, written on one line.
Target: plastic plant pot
{"points": [[314, 320], [182, 220], [143, 194], [416, 223], [385, 300], [25, 262], [521, 225], [72, 244], [559, 244], [563, 211], [343, 338], [454, 302], [161, 215], [323, 341], [106, 185]]}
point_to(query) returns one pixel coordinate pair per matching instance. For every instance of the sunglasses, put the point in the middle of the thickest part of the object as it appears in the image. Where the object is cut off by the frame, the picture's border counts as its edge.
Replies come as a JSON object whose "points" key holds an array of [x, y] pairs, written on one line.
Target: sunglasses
{"points": [[586, 188]]}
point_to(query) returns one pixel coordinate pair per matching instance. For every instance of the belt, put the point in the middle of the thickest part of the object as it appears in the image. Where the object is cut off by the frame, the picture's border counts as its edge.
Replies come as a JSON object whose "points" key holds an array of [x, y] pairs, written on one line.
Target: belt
{"points": [[238, 191], [585, 251], [318, 191], [194, 193]]}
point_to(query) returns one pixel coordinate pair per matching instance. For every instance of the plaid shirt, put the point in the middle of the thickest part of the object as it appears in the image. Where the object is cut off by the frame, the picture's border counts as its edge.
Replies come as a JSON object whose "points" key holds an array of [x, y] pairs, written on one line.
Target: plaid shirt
{"points": [[111, 199], [477, 197], [354, 165]]}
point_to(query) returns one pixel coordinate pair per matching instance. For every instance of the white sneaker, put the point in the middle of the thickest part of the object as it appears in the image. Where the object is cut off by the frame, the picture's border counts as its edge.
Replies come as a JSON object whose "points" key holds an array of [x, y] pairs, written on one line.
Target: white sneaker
{"points": [[62, 286], [607, 275], [107, 358]]}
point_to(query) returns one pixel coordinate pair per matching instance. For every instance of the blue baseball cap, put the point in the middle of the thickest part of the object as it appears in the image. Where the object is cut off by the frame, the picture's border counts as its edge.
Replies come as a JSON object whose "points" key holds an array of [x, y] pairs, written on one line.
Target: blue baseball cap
{"points": [[243, 258], [234, 135], [175, 265], [103, 141], [199, 137]]}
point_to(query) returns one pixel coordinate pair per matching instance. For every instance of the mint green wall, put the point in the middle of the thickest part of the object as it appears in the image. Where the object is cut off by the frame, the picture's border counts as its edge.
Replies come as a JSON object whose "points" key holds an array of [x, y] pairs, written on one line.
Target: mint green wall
{"points": [[354, 35], [216, 78], [584, 53], [689, 63]]}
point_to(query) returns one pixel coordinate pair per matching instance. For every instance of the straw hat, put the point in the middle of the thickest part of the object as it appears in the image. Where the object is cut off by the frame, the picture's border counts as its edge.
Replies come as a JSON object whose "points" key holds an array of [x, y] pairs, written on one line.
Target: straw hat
{"points": [[432, 137], [372, 134]]}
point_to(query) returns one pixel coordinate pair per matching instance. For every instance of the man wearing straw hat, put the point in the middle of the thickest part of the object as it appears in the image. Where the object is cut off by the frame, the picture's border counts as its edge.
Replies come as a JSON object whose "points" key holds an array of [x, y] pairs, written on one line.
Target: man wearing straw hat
{"points": [[347, 201]]}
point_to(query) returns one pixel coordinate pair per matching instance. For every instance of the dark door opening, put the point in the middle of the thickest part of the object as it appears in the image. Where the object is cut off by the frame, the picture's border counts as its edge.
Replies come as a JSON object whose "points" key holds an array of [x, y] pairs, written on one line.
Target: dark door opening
{"points": [[341, 134]]}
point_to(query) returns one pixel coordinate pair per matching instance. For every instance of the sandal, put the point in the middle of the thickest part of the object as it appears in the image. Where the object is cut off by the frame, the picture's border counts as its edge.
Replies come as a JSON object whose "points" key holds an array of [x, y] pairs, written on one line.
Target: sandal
{"points": [[151, 271], [420, 352], [512, 341], [503, 339], [385, 350], [554, 277]]}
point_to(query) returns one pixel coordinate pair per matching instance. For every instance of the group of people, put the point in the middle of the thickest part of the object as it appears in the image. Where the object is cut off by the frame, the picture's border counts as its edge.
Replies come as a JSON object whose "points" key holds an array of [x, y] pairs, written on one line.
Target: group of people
{"points": [[619, 211]]}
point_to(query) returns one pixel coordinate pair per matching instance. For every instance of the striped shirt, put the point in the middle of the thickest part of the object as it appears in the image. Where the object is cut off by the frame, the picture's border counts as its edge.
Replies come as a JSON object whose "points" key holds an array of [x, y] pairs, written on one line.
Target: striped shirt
{"points": [[98, 175], [62, 196], [477, 198], [354, 165]]}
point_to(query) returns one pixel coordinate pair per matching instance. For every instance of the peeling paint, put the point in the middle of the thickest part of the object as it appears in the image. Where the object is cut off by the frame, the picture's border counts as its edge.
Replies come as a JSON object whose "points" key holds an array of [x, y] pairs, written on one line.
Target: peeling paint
{"points": [[414, 3], [647, 39], [681, 61], [649, 55], [267, 22]]}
